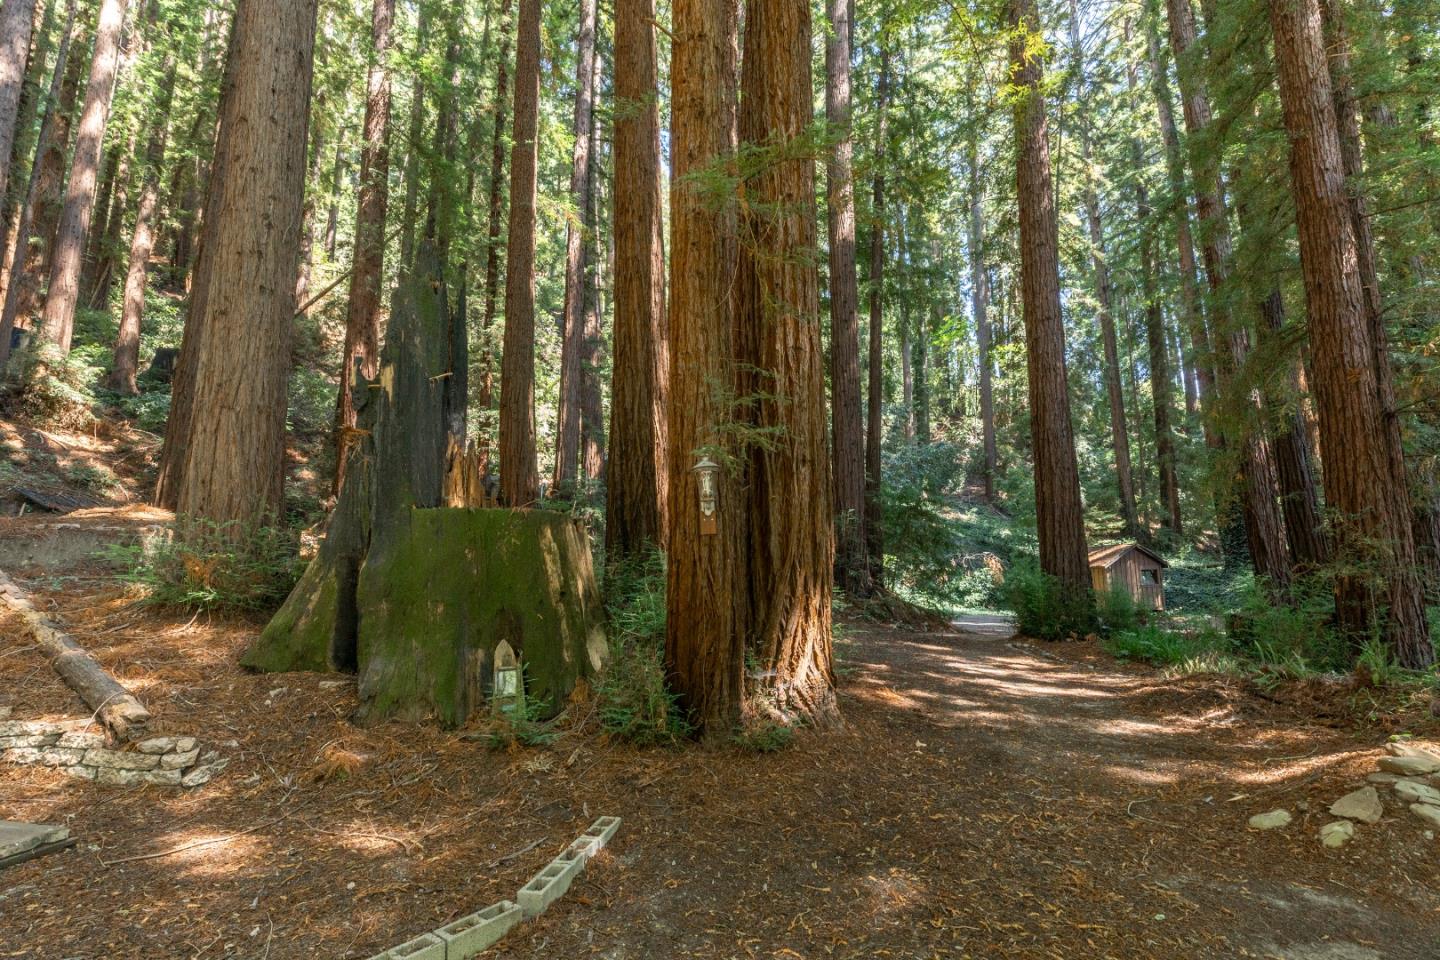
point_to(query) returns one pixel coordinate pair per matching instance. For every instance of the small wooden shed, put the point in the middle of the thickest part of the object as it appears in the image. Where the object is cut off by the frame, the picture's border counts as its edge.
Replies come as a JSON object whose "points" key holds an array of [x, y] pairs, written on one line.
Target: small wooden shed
{"points": [[1133, 567]]}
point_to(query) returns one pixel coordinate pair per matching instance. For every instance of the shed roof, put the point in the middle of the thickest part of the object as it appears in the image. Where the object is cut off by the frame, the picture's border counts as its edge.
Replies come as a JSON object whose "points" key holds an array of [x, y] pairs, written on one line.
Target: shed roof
{"points": [[1107, 557]]}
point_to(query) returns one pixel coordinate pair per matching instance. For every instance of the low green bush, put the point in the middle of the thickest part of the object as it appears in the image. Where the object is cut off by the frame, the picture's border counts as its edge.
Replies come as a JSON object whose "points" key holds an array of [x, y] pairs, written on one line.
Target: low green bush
{"points": [[215, 566], [521, 726], [1043, 608], [766, 737], [634, 703], [54, 389]]}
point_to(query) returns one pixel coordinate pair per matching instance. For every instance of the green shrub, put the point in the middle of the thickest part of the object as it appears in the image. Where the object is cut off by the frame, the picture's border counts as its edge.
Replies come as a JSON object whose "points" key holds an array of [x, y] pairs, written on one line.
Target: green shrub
{"points": [[1297, 636], [1043, 608], [1116, 611], [934, 552], [634, 703], [149, 409], [523, 727], [215, 566], [98, 479], [766, 737], [55, 389]]}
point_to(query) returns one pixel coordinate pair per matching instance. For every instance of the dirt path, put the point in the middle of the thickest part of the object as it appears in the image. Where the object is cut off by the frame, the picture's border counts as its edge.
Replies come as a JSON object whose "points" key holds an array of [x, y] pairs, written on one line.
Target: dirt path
{"points": [[985, 799], [1011, 805]]}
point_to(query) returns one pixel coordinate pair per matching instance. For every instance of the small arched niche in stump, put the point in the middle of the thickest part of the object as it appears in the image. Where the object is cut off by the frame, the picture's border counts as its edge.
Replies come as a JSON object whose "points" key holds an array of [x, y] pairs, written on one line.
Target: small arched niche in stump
{"points": [[416, 597]]}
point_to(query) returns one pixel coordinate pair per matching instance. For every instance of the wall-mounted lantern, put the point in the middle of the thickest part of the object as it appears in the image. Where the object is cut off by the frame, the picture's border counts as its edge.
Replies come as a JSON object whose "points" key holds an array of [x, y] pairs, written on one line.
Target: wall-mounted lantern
{"points": [[508, 691], [707, 473]]}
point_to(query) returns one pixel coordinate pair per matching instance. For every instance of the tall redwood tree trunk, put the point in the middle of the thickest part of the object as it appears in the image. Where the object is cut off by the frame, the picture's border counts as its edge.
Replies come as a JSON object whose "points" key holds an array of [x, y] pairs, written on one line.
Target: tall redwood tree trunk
{"points": [[567, 429], [41, 208], [1364, 467], [707, 592], [17, 21], [494, 214], [519, 477], [1161, 381], [229, 439], [1100, 274], [1057, 479], [852, 569], [362, 317], [637, 473], [1264, 528], [875, 386], [64, 291], [980, 307], [778, 325], [142, 238]]}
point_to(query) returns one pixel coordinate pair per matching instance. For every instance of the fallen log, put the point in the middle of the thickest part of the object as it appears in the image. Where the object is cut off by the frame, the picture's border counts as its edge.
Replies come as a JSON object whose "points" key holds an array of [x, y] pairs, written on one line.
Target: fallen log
{"points": [[114, 706]]}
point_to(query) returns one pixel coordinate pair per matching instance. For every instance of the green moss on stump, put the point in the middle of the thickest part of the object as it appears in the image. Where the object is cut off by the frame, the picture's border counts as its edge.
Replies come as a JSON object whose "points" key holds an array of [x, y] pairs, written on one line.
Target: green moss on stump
{"points": [[436, 600]]}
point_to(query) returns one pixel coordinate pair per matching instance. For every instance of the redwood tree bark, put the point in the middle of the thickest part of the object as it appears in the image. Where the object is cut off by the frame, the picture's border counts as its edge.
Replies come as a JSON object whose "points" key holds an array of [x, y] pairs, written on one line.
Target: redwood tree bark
{"points": [[492, 235], [778, 320], [519, 479], [17, 21], [592, 340], [1058, 508], [231, 453], [142, 239], [875, 386], [1364, 468], [41, 208], [980, 306], [1100, 274], [1263, 525], [637, 473], [64, 291], [852, 569], [13, 194], [362, 318], [1298, 501], [567, 429], [1159, 348], [706, 600], [1193, 319]]}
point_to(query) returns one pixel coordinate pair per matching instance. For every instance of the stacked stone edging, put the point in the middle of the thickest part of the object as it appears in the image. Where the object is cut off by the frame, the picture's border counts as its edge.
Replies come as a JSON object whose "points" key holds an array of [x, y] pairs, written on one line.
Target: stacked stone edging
{"points": [[68, 746]]}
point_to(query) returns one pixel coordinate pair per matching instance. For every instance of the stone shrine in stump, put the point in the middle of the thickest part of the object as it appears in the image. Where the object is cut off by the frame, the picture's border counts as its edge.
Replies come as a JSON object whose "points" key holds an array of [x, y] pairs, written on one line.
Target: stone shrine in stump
{"points": [[416, 597]]}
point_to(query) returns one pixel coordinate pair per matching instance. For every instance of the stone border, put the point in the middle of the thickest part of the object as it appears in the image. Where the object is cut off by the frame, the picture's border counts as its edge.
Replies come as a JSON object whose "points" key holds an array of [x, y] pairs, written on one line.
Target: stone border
{"points": [[463, 938], [68, 746]]}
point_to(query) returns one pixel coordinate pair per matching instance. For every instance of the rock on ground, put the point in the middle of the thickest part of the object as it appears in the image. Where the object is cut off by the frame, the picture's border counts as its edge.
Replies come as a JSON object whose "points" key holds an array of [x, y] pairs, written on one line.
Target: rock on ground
{"points": [[1363, 804], [1270, 820], [1337, 834]]}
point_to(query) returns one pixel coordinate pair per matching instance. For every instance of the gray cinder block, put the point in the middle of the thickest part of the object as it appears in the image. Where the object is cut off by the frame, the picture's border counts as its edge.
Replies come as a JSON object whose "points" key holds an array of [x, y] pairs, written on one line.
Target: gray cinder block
{"points": [[550, 884], [427, 946], [469, 935]]}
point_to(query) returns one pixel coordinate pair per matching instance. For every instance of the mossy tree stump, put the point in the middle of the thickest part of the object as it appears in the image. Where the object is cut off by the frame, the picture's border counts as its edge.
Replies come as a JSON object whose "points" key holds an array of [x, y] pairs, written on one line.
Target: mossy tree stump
{"points": [[415, 597]]}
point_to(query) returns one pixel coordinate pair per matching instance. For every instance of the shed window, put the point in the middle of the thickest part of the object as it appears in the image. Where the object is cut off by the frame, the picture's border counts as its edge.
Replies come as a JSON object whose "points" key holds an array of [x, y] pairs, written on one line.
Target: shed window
{"points": [[1150, 577]]}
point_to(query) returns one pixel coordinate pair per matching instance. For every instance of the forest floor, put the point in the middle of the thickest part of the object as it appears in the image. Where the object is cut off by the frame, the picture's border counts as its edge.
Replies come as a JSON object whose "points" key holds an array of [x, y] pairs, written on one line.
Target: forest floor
{"points": [[987, 797]]}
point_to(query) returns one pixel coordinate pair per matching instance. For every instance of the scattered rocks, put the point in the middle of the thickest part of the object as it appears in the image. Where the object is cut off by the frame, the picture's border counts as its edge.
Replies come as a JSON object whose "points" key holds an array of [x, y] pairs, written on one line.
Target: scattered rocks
{"points": [[179, 761], [1414, 748], [1363, 805], [84, 754], [1427, 812], [1339, 833], [1271, 820], [1417, 793], [203, 774], [1410, 766]]}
